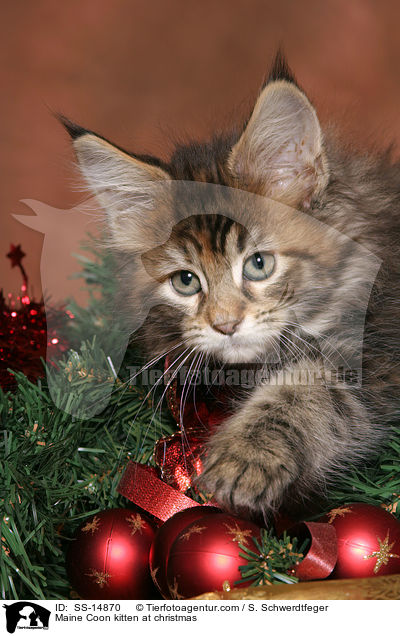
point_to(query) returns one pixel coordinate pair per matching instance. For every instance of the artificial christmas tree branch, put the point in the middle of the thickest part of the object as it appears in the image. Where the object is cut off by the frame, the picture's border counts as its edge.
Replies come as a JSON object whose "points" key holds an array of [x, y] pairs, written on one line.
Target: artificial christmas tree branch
{"points": [[57, 470]]}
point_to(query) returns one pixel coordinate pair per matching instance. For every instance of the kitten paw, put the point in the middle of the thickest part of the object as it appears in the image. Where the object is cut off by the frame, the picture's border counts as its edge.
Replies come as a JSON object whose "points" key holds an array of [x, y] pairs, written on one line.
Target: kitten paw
{"points": [[244, 480]]}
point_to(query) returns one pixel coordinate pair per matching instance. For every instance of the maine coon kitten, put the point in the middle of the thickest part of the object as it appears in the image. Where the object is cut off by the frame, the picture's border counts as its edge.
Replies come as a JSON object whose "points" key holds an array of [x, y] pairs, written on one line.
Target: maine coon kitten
{"points": [[216, 293]]}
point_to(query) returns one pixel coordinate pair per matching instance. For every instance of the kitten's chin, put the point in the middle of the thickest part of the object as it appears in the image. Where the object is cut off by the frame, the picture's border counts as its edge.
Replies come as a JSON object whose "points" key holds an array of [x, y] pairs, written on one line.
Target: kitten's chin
{"points": [[244, 349], [245, 355], [240, 358]]}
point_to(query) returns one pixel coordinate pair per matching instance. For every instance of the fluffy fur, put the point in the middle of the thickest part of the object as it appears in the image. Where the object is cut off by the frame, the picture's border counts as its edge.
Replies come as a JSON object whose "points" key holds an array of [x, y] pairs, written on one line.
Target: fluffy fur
{"points": [[284, 441]]}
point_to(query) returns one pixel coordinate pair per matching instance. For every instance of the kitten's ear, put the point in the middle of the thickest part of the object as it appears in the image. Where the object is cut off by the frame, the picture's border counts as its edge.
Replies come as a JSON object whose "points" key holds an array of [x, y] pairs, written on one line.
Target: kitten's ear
{"points": [[127, 188], [281, 149]]}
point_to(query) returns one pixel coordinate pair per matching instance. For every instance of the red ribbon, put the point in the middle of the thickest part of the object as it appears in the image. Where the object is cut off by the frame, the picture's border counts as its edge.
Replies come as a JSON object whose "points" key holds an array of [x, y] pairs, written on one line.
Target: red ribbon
{"points": [[177, 457], [141, 485], [322, 555]]}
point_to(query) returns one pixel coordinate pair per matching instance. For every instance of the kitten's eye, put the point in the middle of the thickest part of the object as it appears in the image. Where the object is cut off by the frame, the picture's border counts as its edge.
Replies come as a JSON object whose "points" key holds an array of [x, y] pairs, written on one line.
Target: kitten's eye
{"points": [[259, 266], [186, 283]]}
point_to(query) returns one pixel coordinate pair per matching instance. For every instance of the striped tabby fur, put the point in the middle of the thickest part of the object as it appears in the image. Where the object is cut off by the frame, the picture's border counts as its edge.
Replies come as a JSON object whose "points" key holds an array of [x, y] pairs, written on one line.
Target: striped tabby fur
{"points": [[282, 443]]}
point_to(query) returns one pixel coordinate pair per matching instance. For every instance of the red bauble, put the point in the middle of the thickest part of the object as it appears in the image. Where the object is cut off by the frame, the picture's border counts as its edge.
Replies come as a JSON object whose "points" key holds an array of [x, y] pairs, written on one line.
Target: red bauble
{"points": [[110, 556], [165, 537], [368, 541], [206, 554]]}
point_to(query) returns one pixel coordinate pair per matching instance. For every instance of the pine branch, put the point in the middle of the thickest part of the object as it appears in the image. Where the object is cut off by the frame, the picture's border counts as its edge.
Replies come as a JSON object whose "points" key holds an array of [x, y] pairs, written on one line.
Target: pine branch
{"points": [[377, 484], [272, 560], [56, 470]]}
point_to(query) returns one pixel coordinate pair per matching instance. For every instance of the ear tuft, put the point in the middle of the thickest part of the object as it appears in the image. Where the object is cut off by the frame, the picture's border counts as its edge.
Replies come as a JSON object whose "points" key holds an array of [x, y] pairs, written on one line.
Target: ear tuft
{"points": [[280, 69], [74, 130]]}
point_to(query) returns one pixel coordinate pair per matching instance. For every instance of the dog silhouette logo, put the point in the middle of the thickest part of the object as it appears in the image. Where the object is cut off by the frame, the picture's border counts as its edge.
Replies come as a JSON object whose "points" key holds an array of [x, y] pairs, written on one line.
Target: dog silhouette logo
{"points": [[26, 615]]}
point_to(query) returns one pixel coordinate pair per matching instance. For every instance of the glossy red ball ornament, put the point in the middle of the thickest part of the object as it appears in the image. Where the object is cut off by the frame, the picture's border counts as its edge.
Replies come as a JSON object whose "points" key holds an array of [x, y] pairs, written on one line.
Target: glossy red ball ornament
{"points": [[205, 555], [165, 537], [109, 558], [368, 540]]}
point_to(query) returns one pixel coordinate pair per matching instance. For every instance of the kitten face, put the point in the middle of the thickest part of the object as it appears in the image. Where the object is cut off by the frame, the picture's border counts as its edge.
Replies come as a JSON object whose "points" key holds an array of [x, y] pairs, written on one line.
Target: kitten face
{"points": [[232, 292], [221, 287]]}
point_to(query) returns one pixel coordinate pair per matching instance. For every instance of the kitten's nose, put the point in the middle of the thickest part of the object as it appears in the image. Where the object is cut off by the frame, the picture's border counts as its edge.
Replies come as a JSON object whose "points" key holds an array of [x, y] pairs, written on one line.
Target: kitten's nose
{"points": [[227, 328]]}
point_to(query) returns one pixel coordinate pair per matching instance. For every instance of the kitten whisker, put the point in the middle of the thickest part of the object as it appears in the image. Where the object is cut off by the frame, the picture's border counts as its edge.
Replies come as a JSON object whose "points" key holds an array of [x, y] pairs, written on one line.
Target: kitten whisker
{"points": [[182, 411], [183, 395], [309, 346], [155, 360], [317, 335], [174, 374], [142, 404]]}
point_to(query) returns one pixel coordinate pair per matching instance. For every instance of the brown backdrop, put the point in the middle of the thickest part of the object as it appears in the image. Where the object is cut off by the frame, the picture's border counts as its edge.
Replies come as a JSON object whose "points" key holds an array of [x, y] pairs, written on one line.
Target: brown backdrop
{"points": [[144, 73]]}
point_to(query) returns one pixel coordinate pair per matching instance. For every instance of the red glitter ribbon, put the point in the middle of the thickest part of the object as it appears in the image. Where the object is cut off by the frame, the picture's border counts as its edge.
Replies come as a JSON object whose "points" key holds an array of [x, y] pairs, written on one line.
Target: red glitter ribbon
{"points": [[322, 555], [141, 485], [178, 457]]}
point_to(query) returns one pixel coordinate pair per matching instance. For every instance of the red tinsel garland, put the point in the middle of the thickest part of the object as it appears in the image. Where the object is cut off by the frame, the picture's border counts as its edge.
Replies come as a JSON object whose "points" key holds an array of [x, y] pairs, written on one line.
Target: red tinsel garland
{"points": [[24, 337]]}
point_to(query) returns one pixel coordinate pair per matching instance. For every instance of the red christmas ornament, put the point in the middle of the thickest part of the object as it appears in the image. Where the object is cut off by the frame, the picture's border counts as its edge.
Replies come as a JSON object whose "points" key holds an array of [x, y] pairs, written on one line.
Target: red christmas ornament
{"points": [[165, 537], [205, 555], [110, 556], [368, 541]]}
